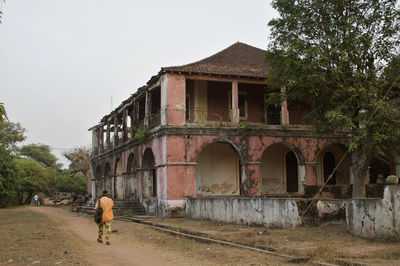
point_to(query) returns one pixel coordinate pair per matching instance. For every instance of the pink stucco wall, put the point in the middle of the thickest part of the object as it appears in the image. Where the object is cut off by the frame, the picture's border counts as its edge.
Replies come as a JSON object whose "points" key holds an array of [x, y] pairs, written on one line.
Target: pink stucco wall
{"points": [[175, 99]]}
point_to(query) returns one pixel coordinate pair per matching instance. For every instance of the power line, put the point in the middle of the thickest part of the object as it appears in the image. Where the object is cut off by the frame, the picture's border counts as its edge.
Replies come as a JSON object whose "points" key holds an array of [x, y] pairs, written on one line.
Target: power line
{"points": [[348, 149]]}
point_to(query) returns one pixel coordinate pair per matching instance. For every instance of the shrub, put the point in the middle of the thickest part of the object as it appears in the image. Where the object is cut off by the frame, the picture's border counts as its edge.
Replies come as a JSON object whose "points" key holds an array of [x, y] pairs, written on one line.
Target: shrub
{"points": [[71, 183]]}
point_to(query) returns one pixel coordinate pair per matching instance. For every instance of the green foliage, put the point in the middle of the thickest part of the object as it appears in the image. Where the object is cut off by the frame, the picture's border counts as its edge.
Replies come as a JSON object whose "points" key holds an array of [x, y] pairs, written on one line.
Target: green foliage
{"points": [[391, 74], [40, 153], [274, 99], [35, 174], [3, 113], [11, 134], [71, 183], [244, 124], [140, 132], [331, 54], [8, 184]]}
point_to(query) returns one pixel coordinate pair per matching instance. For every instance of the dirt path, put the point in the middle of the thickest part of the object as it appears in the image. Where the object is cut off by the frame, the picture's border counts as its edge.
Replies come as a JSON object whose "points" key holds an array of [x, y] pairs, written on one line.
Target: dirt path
{"points": [[137, 244], [119, 252]]}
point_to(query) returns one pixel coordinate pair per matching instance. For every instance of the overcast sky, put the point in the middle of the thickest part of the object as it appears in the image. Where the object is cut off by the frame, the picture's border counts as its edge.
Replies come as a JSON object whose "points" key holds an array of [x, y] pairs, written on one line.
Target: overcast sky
{"points": [[62, 61]]}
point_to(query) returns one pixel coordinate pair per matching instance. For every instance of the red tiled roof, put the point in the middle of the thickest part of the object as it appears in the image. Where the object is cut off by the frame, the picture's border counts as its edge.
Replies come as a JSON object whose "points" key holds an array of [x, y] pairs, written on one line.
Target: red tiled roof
{"points": [[238, 59]]}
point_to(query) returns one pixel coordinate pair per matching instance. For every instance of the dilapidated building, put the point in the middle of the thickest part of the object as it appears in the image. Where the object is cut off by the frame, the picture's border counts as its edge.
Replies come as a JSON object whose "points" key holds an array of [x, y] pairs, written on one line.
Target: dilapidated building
{"points": [[207, 130]]}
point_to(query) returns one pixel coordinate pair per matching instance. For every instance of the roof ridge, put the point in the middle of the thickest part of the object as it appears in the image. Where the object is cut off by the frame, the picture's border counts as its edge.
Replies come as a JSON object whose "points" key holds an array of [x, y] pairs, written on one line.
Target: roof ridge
{"points": [[217, 53]]}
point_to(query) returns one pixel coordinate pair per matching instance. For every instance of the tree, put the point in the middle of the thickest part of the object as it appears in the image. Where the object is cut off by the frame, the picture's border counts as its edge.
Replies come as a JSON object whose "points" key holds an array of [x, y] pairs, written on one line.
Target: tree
{"points": [[10, 135], [331, 55], [40, 153], [80, 162], [3, 113], [31, 178], [7, 178], [71, 183]]}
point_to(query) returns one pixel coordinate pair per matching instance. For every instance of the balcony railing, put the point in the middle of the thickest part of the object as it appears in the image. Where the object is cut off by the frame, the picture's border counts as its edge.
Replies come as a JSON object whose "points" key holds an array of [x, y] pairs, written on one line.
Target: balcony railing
{"points": [[273, 118], [195, 116], [155, 120], [207, 116]]}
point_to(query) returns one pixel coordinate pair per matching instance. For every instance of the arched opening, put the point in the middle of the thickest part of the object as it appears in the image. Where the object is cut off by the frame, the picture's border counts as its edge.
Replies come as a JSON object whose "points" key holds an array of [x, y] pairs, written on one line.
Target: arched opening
{"points": [[381, 166], [217, 171], [329, 164], [118, 181], [132, 185], [328, 160], [279, 170], [107, 178], [149, 177], [292, 173], [98, 182]]}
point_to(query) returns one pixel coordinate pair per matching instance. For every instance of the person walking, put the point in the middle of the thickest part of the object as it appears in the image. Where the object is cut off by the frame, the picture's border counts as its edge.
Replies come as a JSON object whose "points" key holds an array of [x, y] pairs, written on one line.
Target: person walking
{"points": [[36, 200], [106, 204]]}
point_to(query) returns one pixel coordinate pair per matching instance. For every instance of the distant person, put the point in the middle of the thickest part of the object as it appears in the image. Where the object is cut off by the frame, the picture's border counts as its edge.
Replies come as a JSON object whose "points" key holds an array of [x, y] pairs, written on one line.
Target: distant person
{"points": [[36, 200], [106, 204]]}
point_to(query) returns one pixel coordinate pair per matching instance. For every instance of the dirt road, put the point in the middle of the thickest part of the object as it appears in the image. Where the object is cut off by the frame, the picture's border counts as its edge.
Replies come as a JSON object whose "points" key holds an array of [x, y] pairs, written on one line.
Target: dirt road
{"points": [[118, 253], [136, 244]]}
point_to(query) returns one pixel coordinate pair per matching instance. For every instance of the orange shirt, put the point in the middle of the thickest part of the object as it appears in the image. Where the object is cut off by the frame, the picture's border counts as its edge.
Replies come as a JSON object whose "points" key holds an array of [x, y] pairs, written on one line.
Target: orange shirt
{"points": [[107, 204]]}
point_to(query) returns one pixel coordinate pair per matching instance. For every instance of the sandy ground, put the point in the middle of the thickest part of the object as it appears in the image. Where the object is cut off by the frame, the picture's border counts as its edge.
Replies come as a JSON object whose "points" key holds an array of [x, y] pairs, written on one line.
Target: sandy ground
{"points": [[118, 253], [52, 236], [136, 244]]}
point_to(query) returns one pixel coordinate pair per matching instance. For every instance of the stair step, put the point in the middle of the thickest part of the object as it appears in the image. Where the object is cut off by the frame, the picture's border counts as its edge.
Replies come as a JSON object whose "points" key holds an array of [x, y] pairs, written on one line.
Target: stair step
{"points": [[133, 207]]}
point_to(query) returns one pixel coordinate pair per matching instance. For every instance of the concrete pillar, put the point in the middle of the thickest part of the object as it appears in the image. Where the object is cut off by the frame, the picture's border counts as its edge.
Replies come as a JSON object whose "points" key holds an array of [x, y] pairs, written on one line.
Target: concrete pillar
{"points": [[163, 108], [311, 173], [93, 184], [108, 140], [302, 177], [175, 98], [95, 141], [124, 127], [284, 107], [101, 132], [115, 131], [147, 110], [133, 117], [396, 159], [235, 104]]}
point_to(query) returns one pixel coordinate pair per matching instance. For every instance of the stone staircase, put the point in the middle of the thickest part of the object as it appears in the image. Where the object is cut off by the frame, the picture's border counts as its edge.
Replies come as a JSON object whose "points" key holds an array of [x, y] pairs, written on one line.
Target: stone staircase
{"points": [[121, 208]]}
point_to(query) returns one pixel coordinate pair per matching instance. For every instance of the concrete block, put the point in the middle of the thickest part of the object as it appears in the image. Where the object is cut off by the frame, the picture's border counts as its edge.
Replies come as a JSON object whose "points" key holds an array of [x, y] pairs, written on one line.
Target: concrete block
{"points": [[392, 180]]}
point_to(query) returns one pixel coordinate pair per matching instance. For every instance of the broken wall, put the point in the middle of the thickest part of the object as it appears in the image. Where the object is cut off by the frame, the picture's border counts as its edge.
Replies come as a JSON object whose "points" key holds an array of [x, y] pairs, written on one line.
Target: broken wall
{"points": [[375, 218], [275, 213]]}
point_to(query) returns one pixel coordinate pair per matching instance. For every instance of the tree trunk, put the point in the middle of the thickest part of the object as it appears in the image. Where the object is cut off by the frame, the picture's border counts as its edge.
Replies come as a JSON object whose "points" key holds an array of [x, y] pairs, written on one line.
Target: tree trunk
{"points": [[29, 198], [358, 172], [20, 198]]}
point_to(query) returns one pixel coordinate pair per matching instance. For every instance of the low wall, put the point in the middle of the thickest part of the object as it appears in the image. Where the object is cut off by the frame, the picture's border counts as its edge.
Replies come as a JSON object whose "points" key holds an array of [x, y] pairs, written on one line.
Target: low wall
{"points": [[281, 213], [375, 218], [154, 207], [164, 208]]}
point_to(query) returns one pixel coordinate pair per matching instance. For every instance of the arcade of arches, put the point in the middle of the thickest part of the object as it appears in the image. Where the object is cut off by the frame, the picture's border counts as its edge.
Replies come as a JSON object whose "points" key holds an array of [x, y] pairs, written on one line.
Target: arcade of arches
{"points": [[219, 171]]}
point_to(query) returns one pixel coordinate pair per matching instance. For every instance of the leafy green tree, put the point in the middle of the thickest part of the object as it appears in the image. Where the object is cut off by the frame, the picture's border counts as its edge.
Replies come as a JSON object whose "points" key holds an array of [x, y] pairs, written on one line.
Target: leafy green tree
{"points": [[8, 175], [10, 135], [40, 153], [32, 177], [71, 183], [3, 113], [331, 55], [80, 163]]}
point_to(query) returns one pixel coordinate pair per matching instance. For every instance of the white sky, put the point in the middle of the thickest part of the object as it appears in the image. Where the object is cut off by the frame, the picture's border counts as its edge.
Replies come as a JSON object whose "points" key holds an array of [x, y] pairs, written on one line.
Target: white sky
{"points": [[61, 61]]}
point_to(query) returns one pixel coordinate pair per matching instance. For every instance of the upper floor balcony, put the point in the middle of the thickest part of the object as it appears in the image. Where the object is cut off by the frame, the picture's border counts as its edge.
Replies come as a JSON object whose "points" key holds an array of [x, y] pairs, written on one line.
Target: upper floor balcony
{"points": [[196, 103]]}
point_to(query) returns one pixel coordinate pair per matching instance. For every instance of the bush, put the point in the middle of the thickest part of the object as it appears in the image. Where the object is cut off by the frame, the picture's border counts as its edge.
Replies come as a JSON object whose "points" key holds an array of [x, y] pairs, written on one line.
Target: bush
{"points": [[71, 183]]}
